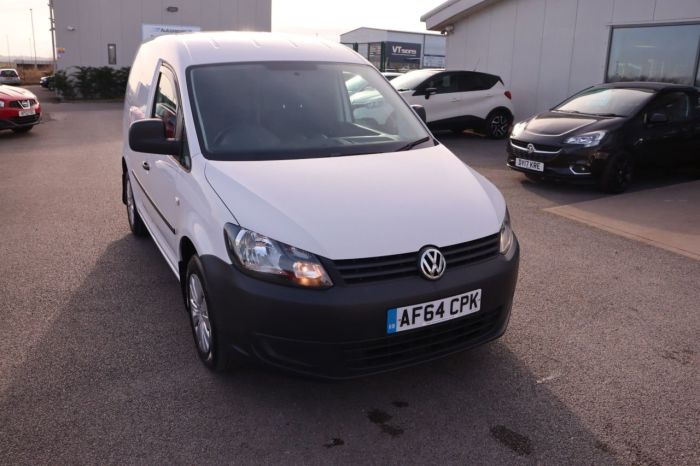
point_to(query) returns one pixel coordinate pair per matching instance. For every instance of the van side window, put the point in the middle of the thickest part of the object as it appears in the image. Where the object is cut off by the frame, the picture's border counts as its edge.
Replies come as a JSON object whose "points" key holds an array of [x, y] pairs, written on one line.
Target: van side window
{"points": [[166, 103]]}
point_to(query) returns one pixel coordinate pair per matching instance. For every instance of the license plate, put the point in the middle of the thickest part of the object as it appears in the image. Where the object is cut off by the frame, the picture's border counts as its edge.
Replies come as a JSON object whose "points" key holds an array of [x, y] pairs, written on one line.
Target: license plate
{"points": [[529, 164], [27, 112], [400, 319]]}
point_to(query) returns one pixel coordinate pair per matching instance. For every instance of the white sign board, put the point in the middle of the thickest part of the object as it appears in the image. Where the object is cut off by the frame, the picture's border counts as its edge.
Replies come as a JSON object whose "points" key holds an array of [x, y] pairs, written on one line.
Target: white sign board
{"points": [[149, 31]]}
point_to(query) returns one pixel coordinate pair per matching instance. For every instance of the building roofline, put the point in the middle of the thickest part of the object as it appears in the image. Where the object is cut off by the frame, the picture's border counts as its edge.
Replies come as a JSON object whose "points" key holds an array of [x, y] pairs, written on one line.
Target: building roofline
{"points": [[427, 33], [438, 9], [452, 10]]}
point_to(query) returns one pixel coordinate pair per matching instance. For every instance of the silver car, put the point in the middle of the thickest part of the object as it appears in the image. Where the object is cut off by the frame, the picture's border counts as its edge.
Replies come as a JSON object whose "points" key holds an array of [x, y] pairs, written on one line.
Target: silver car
{"points": [[9, 76]]}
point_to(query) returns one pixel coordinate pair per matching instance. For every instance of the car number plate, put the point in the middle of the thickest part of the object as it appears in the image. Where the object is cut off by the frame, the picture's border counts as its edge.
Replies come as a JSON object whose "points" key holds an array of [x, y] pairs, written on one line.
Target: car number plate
{"points": [[529, 164], [400, 319], [27, 112]]}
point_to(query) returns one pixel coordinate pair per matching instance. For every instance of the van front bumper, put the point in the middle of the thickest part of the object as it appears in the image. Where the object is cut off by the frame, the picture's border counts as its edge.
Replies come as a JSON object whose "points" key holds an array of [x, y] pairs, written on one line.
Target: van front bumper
{"points": [[341, 332]]}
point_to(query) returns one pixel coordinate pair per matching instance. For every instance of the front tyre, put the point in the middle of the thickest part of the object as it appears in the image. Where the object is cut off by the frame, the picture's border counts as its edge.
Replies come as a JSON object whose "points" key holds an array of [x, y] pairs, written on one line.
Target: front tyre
{"points": [[617, 174], [498, 124], [135, 223], [210, 347]]}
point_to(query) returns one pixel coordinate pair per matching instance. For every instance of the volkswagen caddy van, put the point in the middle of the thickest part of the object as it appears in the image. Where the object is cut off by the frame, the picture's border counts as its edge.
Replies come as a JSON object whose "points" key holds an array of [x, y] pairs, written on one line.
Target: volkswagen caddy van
{"points": [[306, 233]]}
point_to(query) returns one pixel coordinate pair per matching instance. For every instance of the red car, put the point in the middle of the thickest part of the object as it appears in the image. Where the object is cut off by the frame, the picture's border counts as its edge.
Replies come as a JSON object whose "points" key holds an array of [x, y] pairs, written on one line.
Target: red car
{"points": [[19, 109]]}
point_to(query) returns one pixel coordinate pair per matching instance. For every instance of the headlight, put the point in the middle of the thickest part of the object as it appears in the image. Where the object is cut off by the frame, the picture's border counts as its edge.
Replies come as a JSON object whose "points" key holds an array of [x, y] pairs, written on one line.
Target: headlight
{"points": [[587, 139], [273, 260], [2, 103], [518, 129], [506, 234]]}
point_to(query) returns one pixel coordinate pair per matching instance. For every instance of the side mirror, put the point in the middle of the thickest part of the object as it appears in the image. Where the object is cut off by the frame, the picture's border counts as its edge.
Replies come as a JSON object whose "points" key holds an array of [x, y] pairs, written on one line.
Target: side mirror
{"points": [[430, 91], [658, 118], [420, 111], [148, 135]]}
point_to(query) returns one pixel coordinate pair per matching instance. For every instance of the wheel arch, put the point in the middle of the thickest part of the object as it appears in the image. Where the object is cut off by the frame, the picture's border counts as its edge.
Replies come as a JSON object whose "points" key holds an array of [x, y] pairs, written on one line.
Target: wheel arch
{"points": [[185, 252], [501, 109]]}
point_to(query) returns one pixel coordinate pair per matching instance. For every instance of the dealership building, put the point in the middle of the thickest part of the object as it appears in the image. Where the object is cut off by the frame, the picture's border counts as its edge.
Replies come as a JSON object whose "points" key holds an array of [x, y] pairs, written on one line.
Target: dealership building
{"points": [[397, 50], [108, 32], [545, 50]]}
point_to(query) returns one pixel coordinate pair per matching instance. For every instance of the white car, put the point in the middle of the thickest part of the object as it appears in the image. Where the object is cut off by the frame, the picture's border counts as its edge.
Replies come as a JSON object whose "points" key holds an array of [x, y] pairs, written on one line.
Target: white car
{"points": [[389, 75], [9, 76], [301, 236], [459, 100]]}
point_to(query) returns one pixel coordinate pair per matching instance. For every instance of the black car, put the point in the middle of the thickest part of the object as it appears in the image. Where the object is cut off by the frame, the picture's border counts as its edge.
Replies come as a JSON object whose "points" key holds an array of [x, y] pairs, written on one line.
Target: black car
{"points": [[601, 133], [47, 82]]}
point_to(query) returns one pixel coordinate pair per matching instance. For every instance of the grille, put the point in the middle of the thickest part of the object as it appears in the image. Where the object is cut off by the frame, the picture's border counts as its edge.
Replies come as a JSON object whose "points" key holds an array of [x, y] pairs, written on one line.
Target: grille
{"points": [[536, 157], [421, 344], [523, 153], [406, 265], [25, 119], [17, 104], [539, 147]]}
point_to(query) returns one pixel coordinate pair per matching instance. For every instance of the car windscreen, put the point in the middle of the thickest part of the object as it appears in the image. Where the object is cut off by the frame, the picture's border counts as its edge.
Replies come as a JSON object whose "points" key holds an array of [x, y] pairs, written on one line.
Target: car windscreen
{"points": [[410, 80], [606, 101], [8, 73], [289, 110]]}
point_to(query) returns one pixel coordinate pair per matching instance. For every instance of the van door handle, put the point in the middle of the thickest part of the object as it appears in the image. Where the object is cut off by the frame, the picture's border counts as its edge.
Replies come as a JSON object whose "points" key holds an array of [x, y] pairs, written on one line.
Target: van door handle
{"points": [[146, 166]]}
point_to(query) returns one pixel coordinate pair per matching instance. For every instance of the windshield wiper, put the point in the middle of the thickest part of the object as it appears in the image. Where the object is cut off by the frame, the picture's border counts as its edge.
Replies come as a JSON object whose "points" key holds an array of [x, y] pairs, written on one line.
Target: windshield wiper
{"points": [[608, 115], [413, 144]]}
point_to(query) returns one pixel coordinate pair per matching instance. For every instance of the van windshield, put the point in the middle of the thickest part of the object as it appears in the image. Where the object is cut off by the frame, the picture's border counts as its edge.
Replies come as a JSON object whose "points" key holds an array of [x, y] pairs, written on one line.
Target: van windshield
{"points": [[290, 110]]}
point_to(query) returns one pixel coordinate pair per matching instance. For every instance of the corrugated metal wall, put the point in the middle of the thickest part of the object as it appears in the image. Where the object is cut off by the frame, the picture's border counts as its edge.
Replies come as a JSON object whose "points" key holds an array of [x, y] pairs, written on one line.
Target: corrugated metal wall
{"points": [[101, 22], [546, 50]]}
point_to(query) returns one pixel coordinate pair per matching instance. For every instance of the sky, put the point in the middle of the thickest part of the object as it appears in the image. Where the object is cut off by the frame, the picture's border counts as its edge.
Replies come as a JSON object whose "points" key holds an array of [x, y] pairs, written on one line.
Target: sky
{"points": [[324, 18]]}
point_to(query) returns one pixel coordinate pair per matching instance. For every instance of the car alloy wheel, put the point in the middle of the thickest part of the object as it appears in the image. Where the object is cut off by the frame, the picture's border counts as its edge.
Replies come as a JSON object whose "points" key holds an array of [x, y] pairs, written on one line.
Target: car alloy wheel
{"points": [[618, 174], [199, 313], [623, 173], [498, 125], [130, 206]]}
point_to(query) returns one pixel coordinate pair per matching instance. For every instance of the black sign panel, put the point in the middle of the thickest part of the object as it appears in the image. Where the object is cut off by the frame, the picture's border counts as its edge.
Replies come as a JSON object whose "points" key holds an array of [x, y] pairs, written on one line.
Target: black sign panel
{"points": [[403, 52]]}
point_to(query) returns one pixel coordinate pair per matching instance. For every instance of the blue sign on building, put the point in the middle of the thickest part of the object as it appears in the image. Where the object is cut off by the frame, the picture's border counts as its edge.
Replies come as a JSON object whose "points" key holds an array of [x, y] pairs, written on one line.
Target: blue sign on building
{"points": [[403, 52]]}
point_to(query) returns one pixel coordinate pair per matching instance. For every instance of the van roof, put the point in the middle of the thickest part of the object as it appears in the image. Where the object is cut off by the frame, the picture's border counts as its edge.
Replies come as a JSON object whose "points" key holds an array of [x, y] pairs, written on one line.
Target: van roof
{"points": [[197, 48]]}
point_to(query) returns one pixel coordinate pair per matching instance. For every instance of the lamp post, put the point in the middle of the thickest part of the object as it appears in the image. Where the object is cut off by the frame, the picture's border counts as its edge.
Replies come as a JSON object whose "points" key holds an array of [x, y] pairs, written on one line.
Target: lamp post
{"points": [[31, 15], [9, 55], [53, 35]]}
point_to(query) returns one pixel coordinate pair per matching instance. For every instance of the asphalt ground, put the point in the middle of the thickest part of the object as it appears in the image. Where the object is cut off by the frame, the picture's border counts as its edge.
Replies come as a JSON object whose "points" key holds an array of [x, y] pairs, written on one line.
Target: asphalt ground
{"points": [[97, 365]]}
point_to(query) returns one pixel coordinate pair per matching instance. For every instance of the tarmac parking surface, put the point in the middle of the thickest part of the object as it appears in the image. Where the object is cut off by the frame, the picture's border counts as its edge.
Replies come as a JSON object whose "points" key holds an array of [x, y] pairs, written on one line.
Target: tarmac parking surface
{"points": [[599, 364]]}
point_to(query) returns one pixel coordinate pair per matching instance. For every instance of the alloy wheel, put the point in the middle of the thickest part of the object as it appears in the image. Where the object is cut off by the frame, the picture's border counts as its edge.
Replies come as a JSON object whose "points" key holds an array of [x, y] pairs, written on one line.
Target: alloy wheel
{"points": [[623, 173], [499, 125], [130, 207], [199, 313]]}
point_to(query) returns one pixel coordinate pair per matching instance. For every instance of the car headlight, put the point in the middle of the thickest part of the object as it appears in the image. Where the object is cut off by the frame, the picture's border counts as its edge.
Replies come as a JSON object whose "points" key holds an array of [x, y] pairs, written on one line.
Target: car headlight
{"points": [[518, 129], [587, 139], [2, 103], [274, 260], [506, 235]]}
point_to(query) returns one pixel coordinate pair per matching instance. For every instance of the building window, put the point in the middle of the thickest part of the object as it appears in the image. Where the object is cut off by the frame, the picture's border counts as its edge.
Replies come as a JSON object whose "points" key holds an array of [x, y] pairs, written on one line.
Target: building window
{"points": [[112, 54], [655, 53]]}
